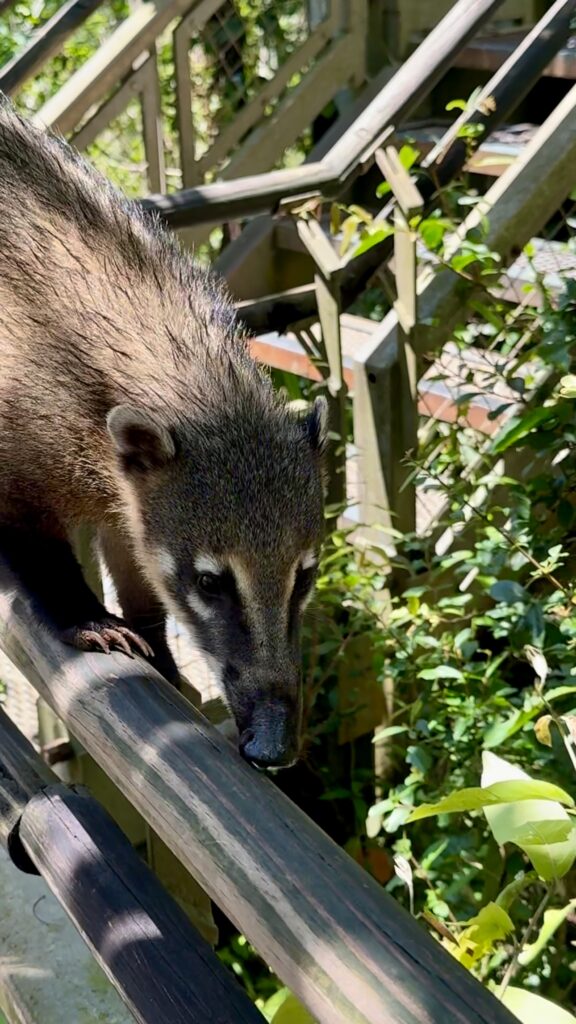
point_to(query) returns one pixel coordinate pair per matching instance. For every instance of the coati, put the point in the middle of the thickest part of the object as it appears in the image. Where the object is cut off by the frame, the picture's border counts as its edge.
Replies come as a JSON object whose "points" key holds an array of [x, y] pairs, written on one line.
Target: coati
{"points": [[129, 400]]}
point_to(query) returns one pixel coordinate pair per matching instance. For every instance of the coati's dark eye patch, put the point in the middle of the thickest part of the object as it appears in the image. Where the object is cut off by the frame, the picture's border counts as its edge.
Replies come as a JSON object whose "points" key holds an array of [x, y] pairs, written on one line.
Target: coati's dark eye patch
{"points": [[216, 585], [209, 584]]}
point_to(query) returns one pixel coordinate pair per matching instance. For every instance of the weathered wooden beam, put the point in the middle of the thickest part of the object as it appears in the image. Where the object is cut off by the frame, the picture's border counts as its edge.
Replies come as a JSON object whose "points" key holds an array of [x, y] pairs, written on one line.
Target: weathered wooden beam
{"points": [[355, 149], [161, 967], [47, 974], [44, 43], [152, 131], [345, 947]]}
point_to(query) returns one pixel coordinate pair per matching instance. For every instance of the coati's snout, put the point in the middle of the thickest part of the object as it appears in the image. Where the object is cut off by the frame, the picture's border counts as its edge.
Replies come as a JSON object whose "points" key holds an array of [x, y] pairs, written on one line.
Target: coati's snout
{"points": [[227, 516], [271, 738]]}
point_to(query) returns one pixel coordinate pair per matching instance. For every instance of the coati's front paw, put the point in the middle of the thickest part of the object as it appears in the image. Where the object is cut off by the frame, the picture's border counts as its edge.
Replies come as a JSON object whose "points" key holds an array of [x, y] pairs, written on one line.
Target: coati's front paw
{"points": [[109, 634]]}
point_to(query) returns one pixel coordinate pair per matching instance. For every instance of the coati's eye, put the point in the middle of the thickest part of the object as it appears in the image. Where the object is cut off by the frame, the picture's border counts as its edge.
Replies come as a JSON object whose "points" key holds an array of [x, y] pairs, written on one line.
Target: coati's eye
{"points": [[210, 584]]}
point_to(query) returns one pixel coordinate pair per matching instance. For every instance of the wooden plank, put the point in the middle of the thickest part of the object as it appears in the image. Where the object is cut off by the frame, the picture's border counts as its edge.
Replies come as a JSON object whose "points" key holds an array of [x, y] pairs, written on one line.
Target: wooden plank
{"points": [[319, 246], [109, 65], [162, 969], [108, 111], [343, 945], [22, 773], [181, 43], [47, 974], [488, 53], [295, 111], [45, 42]]}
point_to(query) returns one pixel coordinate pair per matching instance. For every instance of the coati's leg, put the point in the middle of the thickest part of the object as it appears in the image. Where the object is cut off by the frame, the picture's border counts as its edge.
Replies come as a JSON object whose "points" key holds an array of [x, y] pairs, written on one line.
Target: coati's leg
{"points": [[47, 570], [141, 607]]}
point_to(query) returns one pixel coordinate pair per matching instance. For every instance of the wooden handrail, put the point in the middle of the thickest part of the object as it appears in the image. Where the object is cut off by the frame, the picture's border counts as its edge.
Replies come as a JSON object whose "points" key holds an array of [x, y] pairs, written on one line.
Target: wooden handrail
{"points": [[349, 951], [160, 966]]}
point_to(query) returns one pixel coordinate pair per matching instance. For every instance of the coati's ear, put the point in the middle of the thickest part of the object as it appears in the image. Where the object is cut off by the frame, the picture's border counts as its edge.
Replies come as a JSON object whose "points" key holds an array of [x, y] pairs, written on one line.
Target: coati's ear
{"points": [[140, 441], [315, 423]]}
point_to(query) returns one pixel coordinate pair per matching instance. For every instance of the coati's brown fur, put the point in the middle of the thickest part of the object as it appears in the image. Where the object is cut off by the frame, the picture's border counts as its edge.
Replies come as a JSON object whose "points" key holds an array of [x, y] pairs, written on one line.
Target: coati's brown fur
{"points": [[128, 399]]}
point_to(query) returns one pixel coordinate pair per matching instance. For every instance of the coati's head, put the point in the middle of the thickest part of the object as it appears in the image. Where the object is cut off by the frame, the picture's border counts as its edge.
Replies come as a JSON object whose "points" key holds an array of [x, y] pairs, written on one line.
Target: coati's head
{"points": [[226, 511]]}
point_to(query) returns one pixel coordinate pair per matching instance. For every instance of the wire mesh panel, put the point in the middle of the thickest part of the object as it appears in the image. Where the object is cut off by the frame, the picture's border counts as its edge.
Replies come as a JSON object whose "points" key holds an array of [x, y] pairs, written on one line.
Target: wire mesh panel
{"points": [[241, 59]]}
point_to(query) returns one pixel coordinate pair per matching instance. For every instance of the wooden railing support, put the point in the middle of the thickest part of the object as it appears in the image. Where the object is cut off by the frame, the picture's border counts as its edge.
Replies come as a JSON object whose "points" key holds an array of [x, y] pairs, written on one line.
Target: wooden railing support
{"points": [[346, 948]]}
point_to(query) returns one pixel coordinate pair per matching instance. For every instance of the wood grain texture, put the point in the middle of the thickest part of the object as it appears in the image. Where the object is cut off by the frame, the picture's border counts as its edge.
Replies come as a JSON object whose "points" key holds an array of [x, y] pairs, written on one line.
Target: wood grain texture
{"points": [[346, 948], [162, 969]]}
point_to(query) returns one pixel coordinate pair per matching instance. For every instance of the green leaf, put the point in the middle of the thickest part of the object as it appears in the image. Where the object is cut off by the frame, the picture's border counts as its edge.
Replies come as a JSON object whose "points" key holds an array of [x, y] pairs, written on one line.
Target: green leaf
{"points": [[284, 1008], [567, 387], [390, 730], [553, 918], [508, 592], [510, 822], [408, 156], [292, 1012], [335, 219], [461, 260], [349, 229], [499, 732], [477, 797], [432, 231], [537, 833], [533, 1009], [440, 672], [490, 925], [373, 238], [456, 105], [519, 426], [384, 189]]}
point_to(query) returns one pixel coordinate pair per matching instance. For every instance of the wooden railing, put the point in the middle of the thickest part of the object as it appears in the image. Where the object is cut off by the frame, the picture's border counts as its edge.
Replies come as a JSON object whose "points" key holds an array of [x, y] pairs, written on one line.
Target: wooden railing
{"points": [[349, 951]]}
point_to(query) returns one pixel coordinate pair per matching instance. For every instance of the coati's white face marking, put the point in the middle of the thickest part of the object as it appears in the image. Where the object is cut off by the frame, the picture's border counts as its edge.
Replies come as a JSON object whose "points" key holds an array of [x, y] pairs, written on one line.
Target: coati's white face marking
{"points": [[166, 561], [208, 564], [198, 606]]}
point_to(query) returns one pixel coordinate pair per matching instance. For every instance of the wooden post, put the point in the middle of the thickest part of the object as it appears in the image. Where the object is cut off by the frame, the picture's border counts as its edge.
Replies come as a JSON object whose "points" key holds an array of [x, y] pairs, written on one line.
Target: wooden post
{"points": [[328, 298], [343, 945], [152, 125]]}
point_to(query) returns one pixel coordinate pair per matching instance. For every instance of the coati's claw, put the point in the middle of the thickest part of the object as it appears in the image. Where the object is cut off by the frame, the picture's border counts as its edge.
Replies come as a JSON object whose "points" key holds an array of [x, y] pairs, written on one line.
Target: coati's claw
{"points": [[107, 636]]}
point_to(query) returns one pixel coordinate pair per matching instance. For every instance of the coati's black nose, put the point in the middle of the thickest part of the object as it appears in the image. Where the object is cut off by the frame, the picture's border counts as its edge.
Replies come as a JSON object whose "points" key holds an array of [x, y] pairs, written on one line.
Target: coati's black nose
{"points": [[269, 747]]}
